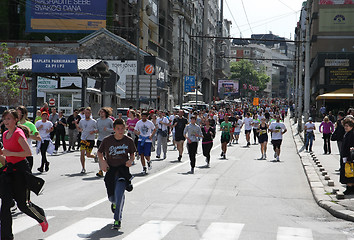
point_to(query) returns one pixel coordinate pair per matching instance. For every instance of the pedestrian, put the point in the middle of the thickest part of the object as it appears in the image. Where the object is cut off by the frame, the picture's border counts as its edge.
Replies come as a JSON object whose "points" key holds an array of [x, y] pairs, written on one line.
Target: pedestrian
{"points": [[82, 116], [105, 128], [171, 119], [310, 135], [326, 128], [45, 108], [192, 133], [255, 127], [33, 132], [146, 130], [44, 127], [60, 134], [238, 127], [179, 124], [162, 123], [348, 144], [53, 117], [73, 121], [207, 143], [116, 155], [277, 129], [323, 111], [16, 176], [339, 131], [131, 122], [263, 137], [225, 128], [248, 121], [232, 120], [88, 129], [331, 117]]}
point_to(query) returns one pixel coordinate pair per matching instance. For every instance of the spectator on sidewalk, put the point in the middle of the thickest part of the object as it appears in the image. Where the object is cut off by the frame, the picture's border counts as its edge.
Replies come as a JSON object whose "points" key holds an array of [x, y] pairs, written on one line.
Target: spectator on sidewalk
{"points": [[60, 132], [53, 118], [348, 143], [327, 129], [339, 131], [309, 128], [162, 123], [331, 117], [73, 121]]}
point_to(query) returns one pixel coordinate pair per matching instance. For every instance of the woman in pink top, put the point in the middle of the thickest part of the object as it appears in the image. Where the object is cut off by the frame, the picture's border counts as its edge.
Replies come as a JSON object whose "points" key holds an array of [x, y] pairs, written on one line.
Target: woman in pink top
{"points": [[327, 129], [14, 180], [131, 122]]}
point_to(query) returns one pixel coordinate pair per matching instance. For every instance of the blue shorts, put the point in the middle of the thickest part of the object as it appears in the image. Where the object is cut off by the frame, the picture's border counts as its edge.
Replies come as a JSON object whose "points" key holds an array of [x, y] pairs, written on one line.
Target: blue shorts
{"points": [[236, 133], [145, 149]]}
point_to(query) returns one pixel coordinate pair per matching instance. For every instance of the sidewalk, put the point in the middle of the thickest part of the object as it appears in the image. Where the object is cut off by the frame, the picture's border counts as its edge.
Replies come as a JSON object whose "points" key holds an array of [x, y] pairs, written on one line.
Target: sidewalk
{"points": [[322, 175]]}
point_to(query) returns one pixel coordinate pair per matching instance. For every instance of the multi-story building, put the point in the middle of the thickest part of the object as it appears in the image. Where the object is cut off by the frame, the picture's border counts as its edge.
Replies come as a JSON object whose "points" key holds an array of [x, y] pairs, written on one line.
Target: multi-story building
{"points": [[331, 52]]}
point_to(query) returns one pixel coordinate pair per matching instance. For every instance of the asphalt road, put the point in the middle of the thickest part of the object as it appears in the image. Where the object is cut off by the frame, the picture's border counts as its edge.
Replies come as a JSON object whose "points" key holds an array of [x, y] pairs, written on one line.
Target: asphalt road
{"points": [[239, 197]]}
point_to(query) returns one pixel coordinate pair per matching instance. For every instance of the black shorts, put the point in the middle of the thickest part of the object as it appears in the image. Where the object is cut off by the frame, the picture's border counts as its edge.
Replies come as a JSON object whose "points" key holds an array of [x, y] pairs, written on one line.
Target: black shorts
{"points": [[276, 143], [179, 138], [225, 139], [247, 131], [263, 138]]}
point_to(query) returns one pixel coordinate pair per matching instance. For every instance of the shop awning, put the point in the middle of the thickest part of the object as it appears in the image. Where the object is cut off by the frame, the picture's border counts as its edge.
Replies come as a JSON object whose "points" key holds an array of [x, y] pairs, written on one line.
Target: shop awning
{"points": [[340, 94]]}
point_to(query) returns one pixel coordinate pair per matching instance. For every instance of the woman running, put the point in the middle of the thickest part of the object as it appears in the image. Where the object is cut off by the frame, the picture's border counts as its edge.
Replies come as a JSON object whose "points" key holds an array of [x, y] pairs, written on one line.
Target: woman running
{"points": [[15, 176], [33, 134], [207, 142], [263, 138]]}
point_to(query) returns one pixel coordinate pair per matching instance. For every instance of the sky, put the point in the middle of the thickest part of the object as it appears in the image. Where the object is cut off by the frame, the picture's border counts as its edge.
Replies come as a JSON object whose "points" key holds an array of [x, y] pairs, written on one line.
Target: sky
{"points": [[262, 16]]}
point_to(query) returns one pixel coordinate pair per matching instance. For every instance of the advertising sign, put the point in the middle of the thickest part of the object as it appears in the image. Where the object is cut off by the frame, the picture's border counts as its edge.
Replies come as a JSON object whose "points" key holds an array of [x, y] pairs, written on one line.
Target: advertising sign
{"points": [[335, 2], [341, 75], [336, 20], [229, 87], [65, 15], [189, 84], [54, 63], [122, 69], [45, 83]]}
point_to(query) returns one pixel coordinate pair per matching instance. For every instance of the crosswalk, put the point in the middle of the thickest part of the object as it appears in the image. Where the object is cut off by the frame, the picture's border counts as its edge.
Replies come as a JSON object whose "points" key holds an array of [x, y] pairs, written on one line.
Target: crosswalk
{"points": [[89, 228]]}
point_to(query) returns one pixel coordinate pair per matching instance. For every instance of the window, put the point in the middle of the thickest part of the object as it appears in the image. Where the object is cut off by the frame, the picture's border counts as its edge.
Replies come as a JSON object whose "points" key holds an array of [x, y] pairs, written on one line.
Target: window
{"points": [[247, 52]]}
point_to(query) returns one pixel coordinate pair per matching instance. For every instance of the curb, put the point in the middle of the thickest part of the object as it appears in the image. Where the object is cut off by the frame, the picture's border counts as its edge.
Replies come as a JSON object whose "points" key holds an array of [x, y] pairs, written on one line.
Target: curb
{"points": [[316, 175]]}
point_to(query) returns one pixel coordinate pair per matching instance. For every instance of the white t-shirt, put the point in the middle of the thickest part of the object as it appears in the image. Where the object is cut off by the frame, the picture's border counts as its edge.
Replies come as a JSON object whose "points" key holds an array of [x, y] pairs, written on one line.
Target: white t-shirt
{"points": [[278, 128], [163, 127], [238, 125], [309, 126], [256, 123], [43, 131], [248, 123], [145, 128], [88, 126]]}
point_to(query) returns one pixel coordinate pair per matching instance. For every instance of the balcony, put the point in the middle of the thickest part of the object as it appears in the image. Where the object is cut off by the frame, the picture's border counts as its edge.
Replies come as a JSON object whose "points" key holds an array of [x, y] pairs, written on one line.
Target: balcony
{"points": [[153, 46]]}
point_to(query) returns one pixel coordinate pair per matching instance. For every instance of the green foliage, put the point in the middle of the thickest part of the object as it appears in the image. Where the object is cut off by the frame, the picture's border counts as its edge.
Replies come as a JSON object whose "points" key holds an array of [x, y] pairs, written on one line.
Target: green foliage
{"points": [[9, 80], [246, 72]]}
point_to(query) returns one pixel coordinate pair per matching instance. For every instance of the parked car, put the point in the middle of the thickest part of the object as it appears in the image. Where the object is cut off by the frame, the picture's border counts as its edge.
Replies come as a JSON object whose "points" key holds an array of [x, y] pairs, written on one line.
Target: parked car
{"points": [[124, 112]]}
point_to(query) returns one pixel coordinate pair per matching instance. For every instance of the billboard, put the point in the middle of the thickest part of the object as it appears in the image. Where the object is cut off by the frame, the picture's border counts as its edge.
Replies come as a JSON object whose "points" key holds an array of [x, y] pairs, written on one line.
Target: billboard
{"points": [[228, 87], [336, 20], [66, 16], [335, 2]]}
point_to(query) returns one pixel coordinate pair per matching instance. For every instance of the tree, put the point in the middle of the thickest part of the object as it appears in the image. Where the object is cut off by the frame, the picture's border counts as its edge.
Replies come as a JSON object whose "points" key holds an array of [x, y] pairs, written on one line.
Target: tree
{"points": [[246, 72], [9, 85]]}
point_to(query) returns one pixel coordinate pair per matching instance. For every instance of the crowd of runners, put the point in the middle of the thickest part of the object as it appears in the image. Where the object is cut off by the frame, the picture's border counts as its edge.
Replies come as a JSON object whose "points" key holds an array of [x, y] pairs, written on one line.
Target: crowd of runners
{"points": [[120, 143]]}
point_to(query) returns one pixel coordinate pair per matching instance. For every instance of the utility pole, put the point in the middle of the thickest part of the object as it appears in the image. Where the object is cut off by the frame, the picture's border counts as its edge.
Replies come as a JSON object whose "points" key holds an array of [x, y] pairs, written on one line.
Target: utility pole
{"points": [[307, 65], [138, 7], [181, 47]]}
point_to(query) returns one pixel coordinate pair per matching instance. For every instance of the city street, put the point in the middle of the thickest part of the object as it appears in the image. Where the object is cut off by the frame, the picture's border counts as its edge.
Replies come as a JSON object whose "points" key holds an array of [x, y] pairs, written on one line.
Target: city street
{"points": [[236, 198]]}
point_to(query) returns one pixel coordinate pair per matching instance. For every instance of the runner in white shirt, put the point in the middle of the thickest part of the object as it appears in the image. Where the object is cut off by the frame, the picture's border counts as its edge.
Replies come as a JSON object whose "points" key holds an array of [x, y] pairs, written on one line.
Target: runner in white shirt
{"points": [[277, 129], [248, 121], [238, 126]]}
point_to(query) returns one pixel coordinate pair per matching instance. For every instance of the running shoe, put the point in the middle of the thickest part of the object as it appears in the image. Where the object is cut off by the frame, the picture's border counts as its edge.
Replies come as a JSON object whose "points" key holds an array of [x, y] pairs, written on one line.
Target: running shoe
{"points": [[224, 156], [149, 163], [265, 156], [113, 207], [221, 154], [278, 160], [99, 174], [116, 225], [40, 169], [47, 166], [44, 225], [179, 158], [157, 156], [144, 171], [83, 171], [192, 171]]}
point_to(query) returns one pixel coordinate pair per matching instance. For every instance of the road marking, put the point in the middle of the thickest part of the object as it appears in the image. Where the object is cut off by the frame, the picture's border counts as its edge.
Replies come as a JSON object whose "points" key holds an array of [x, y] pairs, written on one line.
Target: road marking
{"points": [[225, 231], [288, 233], [149, 178], [152, 230], [24, 223], [82, 229]]}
